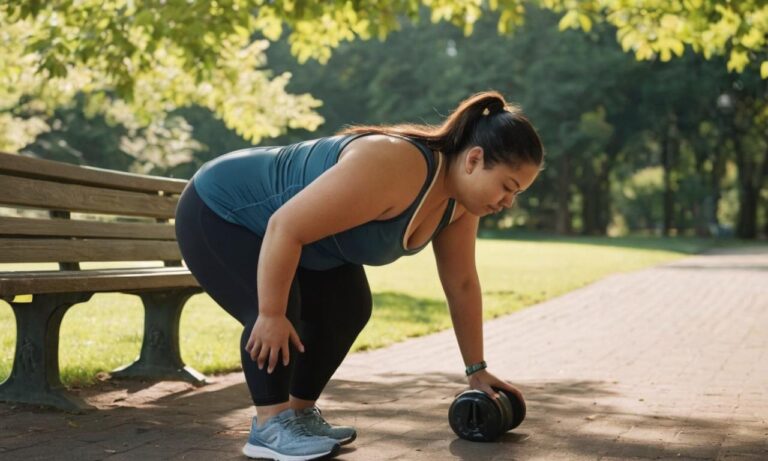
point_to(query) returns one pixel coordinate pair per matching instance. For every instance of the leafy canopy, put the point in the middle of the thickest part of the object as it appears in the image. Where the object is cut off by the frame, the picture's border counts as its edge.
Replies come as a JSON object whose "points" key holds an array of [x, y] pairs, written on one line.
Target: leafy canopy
{"points": [[140, 59]]}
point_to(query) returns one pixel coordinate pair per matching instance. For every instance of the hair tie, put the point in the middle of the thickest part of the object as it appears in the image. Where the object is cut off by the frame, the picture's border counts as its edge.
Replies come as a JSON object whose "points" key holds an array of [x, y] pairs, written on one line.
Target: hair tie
{"points": [[493, 108]]}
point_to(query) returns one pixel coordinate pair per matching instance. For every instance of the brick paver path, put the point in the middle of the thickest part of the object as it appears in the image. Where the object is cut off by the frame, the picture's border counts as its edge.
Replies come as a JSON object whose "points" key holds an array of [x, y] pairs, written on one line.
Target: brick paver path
{"points": [[665, 363]]}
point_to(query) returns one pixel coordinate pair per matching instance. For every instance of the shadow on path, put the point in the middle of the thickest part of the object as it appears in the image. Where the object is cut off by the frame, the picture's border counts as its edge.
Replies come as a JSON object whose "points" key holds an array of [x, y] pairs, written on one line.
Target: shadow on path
{"points": [[397, 415]]}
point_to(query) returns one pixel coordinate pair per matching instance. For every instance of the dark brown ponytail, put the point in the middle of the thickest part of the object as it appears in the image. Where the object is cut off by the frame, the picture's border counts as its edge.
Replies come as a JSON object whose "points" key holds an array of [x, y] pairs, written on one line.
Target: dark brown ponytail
{"points": [[485, 120]]}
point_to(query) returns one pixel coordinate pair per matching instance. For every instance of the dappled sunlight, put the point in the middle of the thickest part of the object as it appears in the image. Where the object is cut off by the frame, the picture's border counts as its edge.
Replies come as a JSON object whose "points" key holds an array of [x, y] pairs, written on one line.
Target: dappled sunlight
{"points": [[397, 316], [7, 339], [541, 270], [597, 383], [578, 417], [681, 245], [99, 336], [209, 337], [396, 412]]}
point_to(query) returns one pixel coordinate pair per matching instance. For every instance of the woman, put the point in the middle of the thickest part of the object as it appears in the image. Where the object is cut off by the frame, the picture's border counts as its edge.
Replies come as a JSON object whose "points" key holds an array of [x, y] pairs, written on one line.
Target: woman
{"points": [[278, 237]]}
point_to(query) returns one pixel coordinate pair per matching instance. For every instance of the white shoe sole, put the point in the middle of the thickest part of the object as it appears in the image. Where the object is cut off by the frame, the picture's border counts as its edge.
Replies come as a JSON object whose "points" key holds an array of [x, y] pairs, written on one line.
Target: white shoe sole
{"points": [[255, 451], [349, 439]]}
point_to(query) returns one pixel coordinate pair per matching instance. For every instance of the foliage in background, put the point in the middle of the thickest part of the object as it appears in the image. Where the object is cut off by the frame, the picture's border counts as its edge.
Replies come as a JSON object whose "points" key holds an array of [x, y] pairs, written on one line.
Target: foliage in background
{"points": [[602, 114], [77, 137], [151, 57], [651, 28], [128, 67], [640, 198]]}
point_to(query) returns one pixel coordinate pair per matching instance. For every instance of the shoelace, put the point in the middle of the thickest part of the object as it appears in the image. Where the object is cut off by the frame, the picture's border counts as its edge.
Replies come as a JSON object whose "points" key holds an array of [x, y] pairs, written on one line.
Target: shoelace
{"points": [[295, 427], [315, 414]]}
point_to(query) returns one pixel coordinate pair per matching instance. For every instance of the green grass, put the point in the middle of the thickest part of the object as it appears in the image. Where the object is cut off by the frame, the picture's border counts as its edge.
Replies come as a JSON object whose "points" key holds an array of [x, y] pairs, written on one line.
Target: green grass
{"points": [[105, 332]]}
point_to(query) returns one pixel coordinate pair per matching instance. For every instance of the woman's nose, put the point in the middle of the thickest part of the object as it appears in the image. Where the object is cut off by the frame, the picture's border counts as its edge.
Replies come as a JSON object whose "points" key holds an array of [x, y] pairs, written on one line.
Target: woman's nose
{"points": [[507, 201]]}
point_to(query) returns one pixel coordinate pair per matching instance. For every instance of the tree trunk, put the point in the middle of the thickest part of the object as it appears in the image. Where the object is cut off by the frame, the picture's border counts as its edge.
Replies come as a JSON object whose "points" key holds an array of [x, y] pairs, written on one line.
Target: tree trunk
{"points": [[604, 195], [666, 161], [702, 210], [563, 218], [765, 175], [718, 170], [746, 225], [590, 208], [605, 214]]}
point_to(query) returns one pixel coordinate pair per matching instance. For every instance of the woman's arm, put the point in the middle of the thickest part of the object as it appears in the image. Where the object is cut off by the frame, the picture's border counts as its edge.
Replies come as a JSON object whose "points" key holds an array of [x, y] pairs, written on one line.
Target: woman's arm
{"points": [[454, 251]]}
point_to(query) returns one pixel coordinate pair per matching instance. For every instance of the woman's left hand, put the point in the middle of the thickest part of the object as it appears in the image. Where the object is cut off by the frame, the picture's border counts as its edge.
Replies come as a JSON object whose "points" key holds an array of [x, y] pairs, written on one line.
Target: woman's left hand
{"points": [[483, 380]]}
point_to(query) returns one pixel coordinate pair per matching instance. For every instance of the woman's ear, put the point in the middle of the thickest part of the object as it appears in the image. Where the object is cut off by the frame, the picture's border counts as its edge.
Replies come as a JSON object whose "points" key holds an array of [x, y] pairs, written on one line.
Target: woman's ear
{"points": [[473, 159]]}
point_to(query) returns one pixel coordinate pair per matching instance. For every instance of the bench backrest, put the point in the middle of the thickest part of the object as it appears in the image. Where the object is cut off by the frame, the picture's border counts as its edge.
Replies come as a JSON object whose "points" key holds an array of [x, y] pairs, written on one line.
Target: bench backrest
{"points": [[98, 196]]}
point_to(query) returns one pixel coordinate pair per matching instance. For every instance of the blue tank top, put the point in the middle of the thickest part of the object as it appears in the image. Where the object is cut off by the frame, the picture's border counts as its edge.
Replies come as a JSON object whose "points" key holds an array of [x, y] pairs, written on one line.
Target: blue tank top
{"points": [[247, 186]]}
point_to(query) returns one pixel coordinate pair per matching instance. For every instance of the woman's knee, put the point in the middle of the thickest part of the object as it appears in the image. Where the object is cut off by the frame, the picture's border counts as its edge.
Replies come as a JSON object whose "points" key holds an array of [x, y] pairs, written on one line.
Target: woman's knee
{"points": [[364, 311], [359, 298]]}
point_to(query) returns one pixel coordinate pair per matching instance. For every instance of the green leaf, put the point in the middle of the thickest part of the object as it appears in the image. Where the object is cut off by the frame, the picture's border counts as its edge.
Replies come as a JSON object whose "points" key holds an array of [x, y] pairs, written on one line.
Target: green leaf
{"points": [[585, 22], [738, 60], [569, 21], [678, 47], [144, 18]]}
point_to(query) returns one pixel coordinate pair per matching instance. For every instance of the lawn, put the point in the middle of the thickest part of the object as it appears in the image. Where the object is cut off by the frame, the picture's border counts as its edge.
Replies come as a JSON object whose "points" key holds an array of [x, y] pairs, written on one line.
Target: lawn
{"points": [[105, 332]]}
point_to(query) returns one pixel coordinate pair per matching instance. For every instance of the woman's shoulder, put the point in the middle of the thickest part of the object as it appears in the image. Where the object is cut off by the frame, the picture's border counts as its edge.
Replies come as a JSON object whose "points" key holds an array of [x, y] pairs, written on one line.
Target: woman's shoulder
{"points": [[393, 150], [393, 157]]}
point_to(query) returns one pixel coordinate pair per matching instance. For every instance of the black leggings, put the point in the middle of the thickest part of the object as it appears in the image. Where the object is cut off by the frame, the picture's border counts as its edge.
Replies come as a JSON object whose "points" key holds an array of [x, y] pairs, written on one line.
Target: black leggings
{"points": [[328, 308]]}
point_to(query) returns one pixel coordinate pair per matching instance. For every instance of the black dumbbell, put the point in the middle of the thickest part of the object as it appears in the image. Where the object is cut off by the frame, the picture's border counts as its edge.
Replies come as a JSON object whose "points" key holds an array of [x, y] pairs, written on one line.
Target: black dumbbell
{"points": [[477, 417]]}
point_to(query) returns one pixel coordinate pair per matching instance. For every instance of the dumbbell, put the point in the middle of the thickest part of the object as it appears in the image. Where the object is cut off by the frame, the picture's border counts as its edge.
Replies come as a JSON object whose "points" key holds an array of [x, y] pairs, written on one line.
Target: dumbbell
{"points": [[477, 417]]}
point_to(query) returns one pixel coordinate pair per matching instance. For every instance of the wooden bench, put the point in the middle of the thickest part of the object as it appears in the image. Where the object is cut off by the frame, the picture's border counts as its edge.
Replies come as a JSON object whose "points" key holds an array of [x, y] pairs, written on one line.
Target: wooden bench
{"points": [[67, 214]]}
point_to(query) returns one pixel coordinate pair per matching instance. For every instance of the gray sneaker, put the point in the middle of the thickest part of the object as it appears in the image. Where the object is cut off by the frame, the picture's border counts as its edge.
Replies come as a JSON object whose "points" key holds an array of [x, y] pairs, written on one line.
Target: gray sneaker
{"points": [[284, 438], [313, 420]]}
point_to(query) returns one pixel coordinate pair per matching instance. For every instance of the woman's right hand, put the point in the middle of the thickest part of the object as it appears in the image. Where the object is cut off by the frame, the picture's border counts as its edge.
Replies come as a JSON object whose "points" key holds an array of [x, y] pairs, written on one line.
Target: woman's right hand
{"points": [[271, 335]]}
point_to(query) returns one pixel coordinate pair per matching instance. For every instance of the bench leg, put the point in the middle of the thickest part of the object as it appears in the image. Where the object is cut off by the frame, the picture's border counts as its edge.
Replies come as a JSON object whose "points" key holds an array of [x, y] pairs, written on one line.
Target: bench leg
{"points": [[35, 377], [160, 356]]}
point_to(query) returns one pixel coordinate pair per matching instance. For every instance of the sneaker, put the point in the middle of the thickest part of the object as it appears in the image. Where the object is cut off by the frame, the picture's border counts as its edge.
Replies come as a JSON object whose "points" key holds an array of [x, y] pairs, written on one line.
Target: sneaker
{"points": [[315, 424], [284, 438]]}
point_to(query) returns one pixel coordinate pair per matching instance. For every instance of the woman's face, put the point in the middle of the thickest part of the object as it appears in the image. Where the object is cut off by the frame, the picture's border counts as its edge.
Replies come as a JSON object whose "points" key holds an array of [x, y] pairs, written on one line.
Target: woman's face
{"points": [[487, 191]]}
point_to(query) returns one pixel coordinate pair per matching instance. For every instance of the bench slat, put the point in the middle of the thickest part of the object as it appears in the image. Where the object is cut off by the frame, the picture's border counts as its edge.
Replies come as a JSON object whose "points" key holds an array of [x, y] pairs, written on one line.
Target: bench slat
{"points": [[39, 282], [50, 195], [13, 250], [74, 228], [30, 167]]}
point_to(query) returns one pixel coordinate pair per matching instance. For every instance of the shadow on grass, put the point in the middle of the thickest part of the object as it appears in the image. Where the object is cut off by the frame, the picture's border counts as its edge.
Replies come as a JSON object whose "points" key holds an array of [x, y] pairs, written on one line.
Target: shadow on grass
{"points": [[747, 259], [399, 316], [693, 267], [682, 245], [395, 414], [396, 306], [399, 306], [412, 317]]}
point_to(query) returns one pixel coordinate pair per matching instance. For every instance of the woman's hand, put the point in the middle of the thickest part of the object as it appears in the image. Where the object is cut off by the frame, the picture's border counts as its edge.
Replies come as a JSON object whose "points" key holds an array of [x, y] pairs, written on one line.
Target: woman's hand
{"points": [[485, 381], [271, 335]]}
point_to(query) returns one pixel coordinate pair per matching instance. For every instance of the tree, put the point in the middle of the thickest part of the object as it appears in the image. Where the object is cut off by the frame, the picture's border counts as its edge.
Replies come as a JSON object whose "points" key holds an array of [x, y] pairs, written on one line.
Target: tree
{"points": [[588, 114], [746, 123], [137, 63], [159, 55], [77, 138], [420, 73], [661, 28]]}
